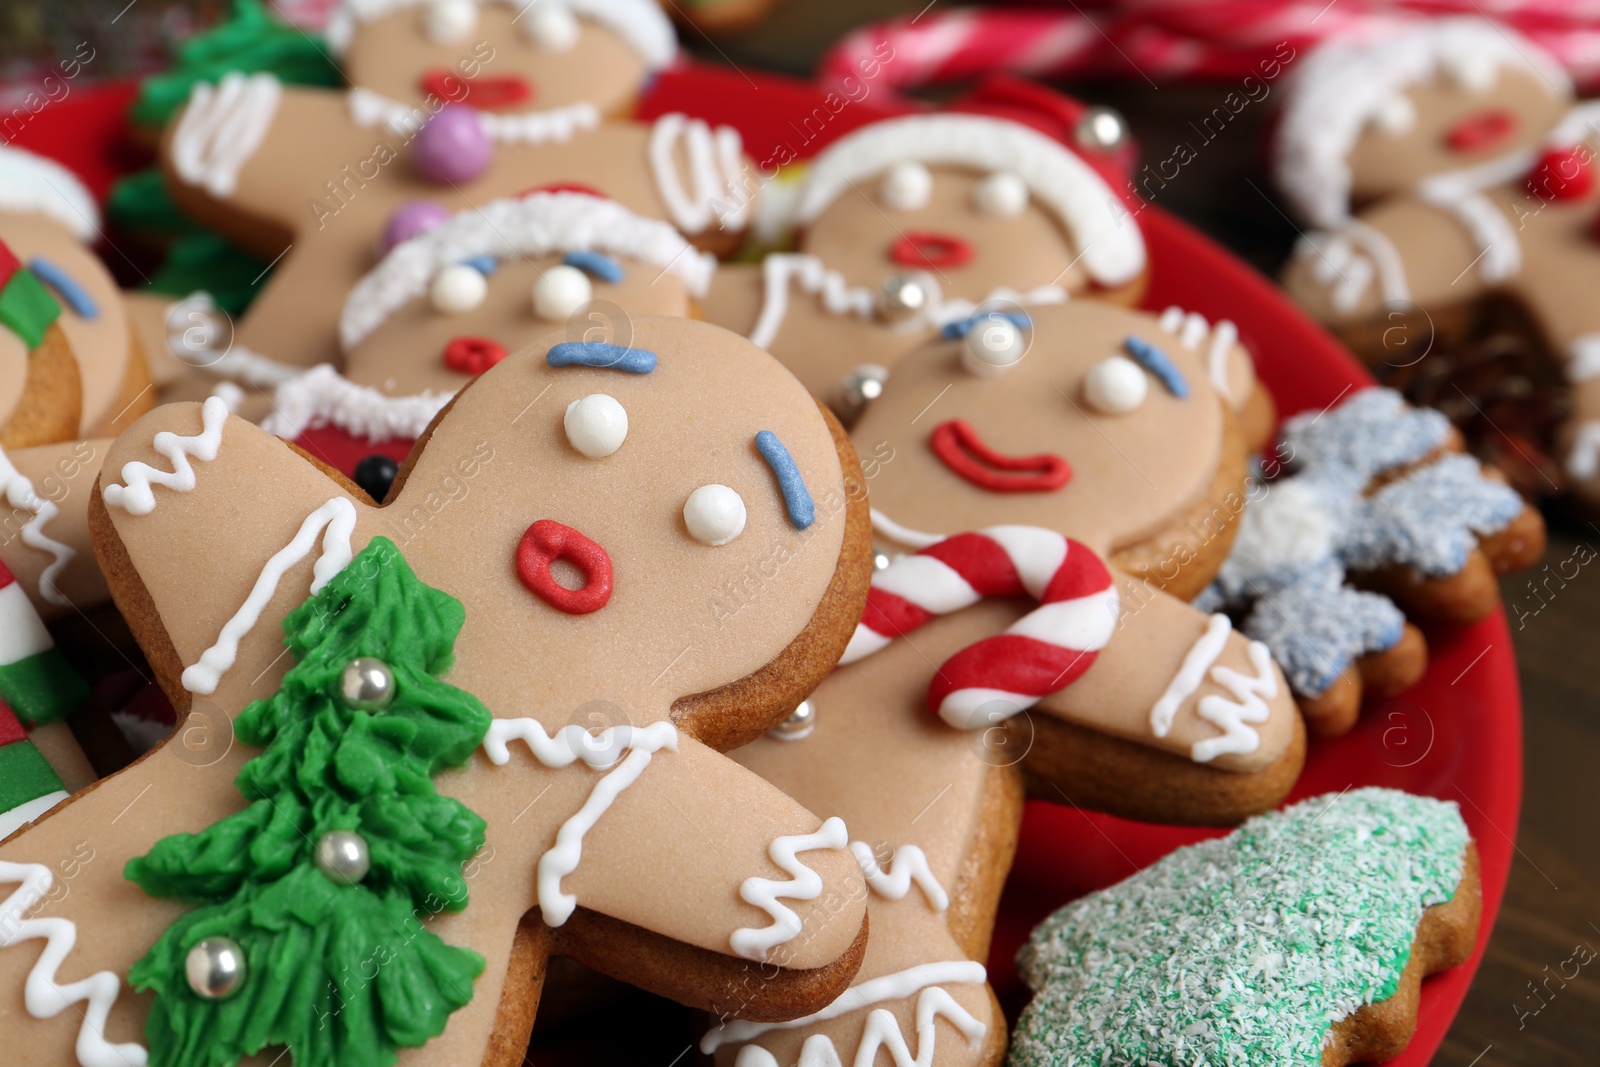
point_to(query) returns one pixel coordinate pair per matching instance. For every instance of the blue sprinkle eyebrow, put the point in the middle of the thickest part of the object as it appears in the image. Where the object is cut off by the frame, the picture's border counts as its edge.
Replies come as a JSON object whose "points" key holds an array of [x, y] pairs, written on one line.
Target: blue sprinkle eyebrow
{"points": [[482, 264], [67, 287], [603, 356], [796, 498], [595, 265], [955, 331], [1156, 362]]}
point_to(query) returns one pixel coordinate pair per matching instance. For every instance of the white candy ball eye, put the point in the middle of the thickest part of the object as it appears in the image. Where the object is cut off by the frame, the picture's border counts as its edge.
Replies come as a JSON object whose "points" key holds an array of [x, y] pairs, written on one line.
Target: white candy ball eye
{"points": [[1397, 116], [596, 425], [560, 291], [714, 514], [1001, 194], [458, 288], [1473, 72], [906, 187], [449, 21], [551, 26], [993, 346], [1115, 386]]}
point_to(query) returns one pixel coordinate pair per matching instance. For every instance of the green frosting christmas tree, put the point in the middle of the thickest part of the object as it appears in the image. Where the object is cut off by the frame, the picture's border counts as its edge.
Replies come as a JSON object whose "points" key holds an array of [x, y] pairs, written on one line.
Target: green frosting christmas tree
{"points": [[321, 884]]}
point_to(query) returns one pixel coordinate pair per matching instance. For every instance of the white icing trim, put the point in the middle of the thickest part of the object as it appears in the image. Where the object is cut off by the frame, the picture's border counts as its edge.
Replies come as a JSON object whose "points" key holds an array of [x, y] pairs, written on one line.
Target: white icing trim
{"points": [[137, 496], [43, 995], [1500, 251], [324, 397], [1112, 248], [1336, 261], [1583, 459], [1231, 716], [533, 225], [23, 814], [193, 343], [222, 127], [1191, 329], [17, 491], [908, 864], [1343, 83], [882, 1032], [1583, 358], [549, 126], [1190, 674], [338, 518], [720, 192], [33, 184], [802, 884], [598, 751], [898, 986], [640, 23]]}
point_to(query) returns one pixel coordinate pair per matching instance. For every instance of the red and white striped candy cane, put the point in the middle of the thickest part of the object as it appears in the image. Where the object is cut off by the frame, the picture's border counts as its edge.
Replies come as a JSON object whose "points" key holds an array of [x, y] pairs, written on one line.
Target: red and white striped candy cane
{"points": [[1159, 39], [1041, 653]]}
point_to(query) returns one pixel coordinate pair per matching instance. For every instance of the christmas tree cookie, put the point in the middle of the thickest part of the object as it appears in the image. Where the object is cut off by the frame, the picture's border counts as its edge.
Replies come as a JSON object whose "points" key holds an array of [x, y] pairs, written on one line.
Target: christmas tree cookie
{"points": [[1299, 939]]}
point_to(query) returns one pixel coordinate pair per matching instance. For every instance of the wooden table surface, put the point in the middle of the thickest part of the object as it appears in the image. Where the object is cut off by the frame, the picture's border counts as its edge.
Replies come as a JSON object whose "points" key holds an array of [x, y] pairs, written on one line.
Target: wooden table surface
{"points": [[1519, 1011]]}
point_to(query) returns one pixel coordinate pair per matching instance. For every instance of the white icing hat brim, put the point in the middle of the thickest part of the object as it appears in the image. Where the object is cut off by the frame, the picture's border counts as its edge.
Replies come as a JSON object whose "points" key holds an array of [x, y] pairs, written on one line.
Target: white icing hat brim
{"points": [[31, 184], [1342, 83], [1112, 248], [641, 23], [534, 225]]}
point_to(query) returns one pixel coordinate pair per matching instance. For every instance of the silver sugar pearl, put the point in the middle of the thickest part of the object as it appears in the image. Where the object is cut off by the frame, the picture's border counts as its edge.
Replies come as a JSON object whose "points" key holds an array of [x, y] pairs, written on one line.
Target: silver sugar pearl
{"points": [[1101, 129], [367, 684], [342, 856], [904, 296], [215, 968], [881, 560], [857, 389], [801, 721]]}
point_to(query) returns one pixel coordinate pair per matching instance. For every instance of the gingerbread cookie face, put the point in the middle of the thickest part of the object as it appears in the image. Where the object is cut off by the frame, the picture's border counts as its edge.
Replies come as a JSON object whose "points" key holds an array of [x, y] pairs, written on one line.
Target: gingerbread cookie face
{"points": [[1077, 435], [560, 608], [452, 302], [975, 231], [547, 56]]}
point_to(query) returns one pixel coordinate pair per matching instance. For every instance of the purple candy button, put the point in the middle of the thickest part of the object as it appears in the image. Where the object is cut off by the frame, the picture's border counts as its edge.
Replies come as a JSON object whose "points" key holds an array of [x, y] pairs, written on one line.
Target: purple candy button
{"points": [[452, 147], [410, 219]]}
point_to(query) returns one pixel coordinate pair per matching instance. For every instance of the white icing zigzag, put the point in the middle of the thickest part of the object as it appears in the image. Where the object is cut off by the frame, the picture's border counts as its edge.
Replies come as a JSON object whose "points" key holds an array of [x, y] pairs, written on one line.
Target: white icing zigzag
{"points": [[802, 884], [46, 998], [18, 492], [598, 750], [137, 497], [908, 864], [716, 173], [1229, 716], [221, 129], [338, 517], [881, 1030]]}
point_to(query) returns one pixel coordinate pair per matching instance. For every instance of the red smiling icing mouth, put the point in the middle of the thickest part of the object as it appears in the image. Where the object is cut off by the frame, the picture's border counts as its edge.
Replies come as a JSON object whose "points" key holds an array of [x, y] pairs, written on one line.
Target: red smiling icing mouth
{"points": [[472, 355], [960, 448], [483, 93], [547, 541], [925, 248], [1481, 130]]}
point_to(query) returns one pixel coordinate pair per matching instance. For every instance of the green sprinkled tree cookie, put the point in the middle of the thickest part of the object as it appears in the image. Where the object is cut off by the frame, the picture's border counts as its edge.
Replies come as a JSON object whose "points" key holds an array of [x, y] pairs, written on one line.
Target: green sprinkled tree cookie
{"points": [[1293, 940]]}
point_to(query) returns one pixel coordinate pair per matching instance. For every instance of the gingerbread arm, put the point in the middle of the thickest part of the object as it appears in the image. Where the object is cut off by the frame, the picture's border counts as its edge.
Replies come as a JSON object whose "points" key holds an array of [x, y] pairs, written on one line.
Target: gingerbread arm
{"points": [[52, 536]]}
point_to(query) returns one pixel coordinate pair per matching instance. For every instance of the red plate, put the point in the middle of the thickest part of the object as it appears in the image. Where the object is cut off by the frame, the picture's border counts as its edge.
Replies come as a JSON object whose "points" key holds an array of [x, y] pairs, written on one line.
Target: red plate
{"points": [[1456, 735]]}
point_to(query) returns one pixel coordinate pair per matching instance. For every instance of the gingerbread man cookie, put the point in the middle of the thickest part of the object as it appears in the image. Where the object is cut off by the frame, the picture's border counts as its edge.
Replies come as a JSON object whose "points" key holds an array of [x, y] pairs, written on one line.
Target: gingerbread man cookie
{"points": [[452, 104], [1445, 167], [644, 853], [1377, 512], [1301, 938], [1087, 462]]}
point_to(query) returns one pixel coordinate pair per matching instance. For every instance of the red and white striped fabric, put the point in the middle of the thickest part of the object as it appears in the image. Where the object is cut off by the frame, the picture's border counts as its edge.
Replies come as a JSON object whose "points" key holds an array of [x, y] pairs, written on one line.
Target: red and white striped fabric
{"points": [[1041, 653], [1159, 39]]}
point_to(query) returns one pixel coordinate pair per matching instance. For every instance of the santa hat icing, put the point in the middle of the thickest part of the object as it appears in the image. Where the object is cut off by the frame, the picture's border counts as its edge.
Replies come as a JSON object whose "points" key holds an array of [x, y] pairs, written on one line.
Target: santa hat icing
{"points": [[1347, 82], [641, 23], [31, 184], [1113, 250], [534, 225]]}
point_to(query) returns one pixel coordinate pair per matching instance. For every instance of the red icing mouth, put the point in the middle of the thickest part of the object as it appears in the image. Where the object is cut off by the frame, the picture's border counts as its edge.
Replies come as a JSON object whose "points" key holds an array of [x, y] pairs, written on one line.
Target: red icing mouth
{"points": [[926, 248], [483, 93], [1481, 130], [960, 448], [547, 541], [472, 355]]}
